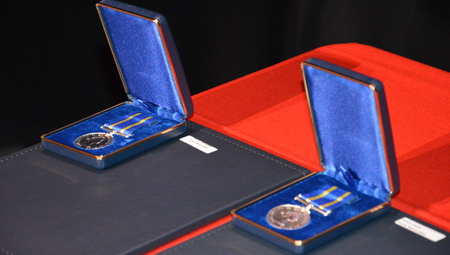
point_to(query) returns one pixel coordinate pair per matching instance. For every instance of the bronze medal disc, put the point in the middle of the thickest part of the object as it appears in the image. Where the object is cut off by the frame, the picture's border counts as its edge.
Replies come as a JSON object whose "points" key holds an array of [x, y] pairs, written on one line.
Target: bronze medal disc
{"points": [[288, 217]]}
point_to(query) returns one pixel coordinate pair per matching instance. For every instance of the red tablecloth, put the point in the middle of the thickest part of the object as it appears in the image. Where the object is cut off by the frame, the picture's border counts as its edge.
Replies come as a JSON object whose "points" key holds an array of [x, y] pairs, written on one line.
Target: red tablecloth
{"points": [[268, 109]]}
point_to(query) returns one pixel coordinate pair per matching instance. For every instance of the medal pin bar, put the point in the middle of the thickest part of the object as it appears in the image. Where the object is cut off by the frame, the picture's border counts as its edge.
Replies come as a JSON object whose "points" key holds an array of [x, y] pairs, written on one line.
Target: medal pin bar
{"points": [[126, 126], [324, 201]]}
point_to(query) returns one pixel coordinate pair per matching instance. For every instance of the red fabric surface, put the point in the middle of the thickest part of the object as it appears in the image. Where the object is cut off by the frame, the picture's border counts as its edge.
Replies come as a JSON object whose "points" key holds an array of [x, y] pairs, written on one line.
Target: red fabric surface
{"points": [[268, 109]]}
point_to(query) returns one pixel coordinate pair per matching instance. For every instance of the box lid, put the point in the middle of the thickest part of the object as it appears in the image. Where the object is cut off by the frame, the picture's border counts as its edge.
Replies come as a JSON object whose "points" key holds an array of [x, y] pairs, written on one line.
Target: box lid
{"points": [[146, 57], [352, 128]]}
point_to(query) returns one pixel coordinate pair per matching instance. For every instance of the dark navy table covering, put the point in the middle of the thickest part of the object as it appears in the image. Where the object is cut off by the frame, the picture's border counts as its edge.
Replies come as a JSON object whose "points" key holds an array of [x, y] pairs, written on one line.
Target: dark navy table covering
{"points": [[52, 205]]}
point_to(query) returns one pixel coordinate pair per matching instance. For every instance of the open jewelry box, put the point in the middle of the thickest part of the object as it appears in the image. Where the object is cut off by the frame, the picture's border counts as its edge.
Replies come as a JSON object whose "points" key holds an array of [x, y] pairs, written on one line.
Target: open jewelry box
{"points": [[158, 102], [354, 141]]}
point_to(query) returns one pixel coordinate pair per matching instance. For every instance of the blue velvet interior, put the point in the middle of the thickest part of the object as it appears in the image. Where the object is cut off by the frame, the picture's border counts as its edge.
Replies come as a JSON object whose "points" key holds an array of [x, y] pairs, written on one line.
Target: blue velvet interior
{"points": [[348, 131], [139, 50], [68, 135], [257, 211]]}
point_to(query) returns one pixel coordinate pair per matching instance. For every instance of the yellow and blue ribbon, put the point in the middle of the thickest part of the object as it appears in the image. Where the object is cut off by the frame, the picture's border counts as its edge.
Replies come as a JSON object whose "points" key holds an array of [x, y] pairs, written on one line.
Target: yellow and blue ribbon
{"points": [[129, 124], [328, 198]]}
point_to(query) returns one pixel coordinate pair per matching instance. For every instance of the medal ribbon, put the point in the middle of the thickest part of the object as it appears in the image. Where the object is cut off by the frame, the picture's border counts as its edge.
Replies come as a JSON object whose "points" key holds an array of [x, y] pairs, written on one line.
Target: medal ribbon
{"points": [[328, 198], [129, 124]]}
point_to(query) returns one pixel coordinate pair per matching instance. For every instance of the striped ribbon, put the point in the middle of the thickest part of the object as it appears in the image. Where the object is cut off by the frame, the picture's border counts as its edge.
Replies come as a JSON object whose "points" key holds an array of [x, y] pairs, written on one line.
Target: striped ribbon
{"points": [[129, 124], [327, 199]]}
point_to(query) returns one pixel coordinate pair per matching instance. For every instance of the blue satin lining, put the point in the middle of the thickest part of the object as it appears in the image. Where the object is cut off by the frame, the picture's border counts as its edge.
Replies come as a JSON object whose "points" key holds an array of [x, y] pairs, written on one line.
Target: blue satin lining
{"points": [[142, 59], [348, 130], [68, 135], [350, 179], [257, 211]]}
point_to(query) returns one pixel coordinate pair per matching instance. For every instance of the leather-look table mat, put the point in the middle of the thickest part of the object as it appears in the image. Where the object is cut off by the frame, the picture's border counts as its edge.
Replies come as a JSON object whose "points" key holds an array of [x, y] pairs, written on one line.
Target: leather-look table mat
{"points": [[52, 205]]}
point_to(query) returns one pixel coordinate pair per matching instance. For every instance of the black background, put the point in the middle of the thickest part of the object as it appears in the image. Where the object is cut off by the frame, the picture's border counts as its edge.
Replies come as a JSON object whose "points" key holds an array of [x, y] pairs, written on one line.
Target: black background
{"points": [[57, 67]]}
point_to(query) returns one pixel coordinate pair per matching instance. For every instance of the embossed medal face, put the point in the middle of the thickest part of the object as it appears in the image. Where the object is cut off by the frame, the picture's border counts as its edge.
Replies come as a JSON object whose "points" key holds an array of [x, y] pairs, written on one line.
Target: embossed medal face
{"points": [[94, 141], [288, 217]]}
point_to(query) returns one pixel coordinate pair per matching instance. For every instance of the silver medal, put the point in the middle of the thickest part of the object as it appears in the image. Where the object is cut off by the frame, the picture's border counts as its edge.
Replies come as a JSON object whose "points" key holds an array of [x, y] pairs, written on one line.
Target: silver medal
{"points": [[288, 217], [94, 141]]}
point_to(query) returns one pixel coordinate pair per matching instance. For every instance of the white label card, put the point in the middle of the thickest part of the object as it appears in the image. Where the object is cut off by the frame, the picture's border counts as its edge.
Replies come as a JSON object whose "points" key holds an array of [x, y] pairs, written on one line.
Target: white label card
{"points": [[198, 144], [420, 229]]}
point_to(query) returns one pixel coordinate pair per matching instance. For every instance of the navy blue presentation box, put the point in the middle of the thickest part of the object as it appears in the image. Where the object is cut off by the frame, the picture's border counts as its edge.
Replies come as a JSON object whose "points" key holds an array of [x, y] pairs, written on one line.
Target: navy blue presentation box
{"points": [[353, 135], [159, 100]]}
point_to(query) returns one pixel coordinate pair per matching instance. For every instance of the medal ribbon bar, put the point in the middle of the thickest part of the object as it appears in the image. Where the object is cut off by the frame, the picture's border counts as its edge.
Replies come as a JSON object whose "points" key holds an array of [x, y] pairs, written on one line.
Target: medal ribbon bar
{"points": [[129, 124], [326, 199]]}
